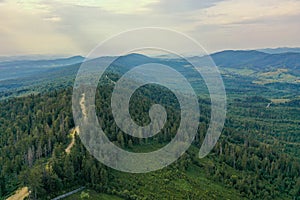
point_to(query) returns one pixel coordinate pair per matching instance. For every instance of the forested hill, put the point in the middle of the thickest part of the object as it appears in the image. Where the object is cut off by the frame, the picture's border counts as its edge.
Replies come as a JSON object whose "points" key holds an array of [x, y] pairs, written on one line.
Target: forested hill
{"points": [[18, 78], [257, 60], [257, 156], [280, 50]]}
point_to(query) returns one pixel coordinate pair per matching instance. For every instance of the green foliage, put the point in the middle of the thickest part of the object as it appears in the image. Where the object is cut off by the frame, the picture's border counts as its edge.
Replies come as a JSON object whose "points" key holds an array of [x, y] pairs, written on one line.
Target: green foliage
{"points": [[84, 195], [93, 195], [257, 156]]}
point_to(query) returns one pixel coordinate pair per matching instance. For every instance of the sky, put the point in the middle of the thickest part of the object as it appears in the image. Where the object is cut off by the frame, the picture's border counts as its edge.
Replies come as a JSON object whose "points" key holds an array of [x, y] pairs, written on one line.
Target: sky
{"points": [[75, 27]]}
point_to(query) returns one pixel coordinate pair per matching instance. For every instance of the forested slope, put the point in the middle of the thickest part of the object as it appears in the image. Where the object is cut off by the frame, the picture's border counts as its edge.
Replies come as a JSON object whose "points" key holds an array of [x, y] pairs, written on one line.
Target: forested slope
{"points": [[256, 157]]}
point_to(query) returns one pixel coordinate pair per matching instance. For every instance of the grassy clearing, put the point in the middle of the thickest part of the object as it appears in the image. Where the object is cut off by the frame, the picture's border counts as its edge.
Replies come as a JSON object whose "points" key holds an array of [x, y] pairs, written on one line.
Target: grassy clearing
{"points": [[276, 101]]}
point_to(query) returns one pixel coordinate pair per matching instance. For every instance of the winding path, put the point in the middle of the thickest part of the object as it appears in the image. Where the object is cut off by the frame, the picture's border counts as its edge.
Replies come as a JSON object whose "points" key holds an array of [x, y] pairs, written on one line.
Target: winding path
{"points": [[20, 194], [72, 134]]}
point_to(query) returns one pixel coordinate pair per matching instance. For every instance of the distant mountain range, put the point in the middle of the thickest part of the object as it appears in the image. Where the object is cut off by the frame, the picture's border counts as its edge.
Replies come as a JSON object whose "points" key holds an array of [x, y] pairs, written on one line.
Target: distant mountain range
{"points": [[41, 63], [256, 66], [257, 60], [30, 57], [250, 59], [280, 50], [20, 68]]}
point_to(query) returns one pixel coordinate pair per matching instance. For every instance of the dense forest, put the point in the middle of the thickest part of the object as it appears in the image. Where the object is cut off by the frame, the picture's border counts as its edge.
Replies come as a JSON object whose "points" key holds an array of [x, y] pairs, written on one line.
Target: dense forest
{"points": [[257, 156]]}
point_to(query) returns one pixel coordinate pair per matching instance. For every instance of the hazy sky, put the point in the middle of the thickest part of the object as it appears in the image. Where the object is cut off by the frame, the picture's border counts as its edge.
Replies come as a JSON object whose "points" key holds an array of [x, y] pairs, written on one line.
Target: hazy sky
{"points": [[77, 26]]}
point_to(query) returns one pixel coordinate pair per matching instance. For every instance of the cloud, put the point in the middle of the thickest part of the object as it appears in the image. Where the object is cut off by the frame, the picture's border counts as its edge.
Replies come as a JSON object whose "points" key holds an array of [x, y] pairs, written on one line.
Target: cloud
{"points": [[26, 32], [238, 11], [177, 6], [88, 26], [71, 27], [76, 27], [240, 24], [114, 6]]}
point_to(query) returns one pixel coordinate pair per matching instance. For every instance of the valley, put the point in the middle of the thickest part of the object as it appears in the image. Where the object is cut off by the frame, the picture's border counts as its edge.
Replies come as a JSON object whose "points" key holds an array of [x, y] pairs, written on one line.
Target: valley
{"points": [[257, 156]]}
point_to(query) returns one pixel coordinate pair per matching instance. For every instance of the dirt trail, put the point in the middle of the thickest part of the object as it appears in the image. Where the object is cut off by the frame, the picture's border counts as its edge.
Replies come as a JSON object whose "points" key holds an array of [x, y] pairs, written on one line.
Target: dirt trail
{"points": [[20, 194], [76, 129], [110, 80], [72, 134], [82, 105]]}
